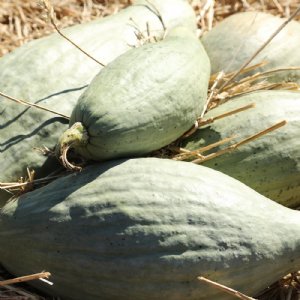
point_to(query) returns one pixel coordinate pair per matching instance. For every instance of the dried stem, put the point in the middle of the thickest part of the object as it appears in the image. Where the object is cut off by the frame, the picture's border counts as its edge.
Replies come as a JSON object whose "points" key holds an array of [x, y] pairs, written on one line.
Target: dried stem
{"points": [[225, 289], [26, 103], [64, 159], [260, 75], [213, 92], [261, 133], [209, 99], [261, 48], [185, 153], [25, 278], [52, 18], [157, 13], [13, 186], [227, 114], [238, 144]]}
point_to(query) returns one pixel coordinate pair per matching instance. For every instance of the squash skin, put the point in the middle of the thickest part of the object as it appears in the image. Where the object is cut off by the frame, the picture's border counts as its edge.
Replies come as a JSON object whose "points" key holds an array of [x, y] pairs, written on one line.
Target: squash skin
{"points": [[145, 99], [145, 229], [53, 73], [242, 35], [270, 164]]}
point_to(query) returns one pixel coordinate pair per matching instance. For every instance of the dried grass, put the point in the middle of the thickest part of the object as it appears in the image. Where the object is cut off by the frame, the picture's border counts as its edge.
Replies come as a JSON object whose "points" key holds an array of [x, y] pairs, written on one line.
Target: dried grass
{"points": [[24, 20]]}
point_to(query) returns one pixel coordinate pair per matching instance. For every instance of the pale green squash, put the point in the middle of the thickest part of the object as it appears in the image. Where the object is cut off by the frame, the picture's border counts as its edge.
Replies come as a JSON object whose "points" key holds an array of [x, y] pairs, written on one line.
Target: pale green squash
{"points": [[234, 40], [53, 73], [145, 229], [270, 164], [142, 101]]}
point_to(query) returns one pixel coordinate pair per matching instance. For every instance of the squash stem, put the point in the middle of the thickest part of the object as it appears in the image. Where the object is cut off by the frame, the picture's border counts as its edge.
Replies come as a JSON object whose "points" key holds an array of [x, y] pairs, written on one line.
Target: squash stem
{"points": [[74, 137]]}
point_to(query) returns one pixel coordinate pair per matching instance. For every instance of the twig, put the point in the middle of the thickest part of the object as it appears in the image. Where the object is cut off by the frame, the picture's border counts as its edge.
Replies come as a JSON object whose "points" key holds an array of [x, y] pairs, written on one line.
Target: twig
{"points": [[227, 114], [25, 278], [52, 18], [225, 289], [185, 153], [16, 185], [157, 13], [260, 75], [261, 48], [26, 103], [213, 91], [238, 144], [245, 70], [208, 100]]}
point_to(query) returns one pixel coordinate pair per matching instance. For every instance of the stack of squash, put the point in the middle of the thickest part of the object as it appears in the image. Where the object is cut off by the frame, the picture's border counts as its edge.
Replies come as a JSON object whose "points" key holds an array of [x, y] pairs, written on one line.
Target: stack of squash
{"points": [[130, 226]]}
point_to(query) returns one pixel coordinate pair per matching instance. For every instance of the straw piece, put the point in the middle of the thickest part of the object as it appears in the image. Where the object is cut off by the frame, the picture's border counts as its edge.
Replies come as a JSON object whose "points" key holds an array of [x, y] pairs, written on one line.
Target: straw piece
{"points": [[227, 114], [261, 48], [225, 289], [238, 144], [26, 103], [25, 278]]}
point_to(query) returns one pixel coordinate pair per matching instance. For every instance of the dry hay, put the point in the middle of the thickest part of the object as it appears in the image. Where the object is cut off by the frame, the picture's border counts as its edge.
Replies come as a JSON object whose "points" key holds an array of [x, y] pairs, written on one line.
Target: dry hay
{"points": [[24, 20]]}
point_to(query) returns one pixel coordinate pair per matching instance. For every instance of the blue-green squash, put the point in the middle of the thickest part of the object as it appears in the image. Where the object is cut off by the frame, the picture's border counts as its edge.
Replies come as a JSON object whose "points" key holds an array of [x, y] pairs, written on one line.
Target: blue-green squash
{"points": [[142, 101], [145, 228], [270, 164], [53, 73], [234, 40]]}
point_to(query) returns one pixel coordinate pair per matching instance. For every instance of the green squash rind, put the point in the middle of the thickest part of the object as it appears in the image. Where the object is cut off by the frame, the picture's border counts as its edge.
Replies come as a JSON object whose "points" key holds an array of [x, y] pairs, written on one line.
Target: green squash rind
{"points": [[145, 229], [270, 164], [234, 40], [53, 73], [145, 99]]}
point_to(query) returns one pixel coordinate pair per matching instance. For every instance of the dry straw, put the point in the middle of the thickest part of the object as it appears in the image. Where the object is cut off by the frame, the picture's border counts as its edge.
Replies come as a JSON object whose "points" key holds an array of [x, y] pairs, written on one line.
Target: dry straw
{"points": [[22, 20]]}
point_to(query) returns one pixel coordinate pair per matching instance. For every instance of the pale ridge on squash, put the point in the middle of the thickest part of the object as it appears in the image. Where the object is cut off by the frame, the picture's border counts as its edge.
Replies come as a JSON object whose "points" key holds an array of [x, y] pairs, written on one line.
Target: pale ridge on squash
{"points": [[145, 229]]}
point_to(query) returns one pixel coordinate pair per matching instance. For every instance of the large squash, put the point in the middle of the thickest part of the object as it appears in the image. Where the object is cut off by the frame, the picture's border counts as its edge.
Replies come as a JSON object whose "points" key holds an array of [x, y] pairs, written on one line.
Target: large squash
{"points": [[270, 164], [238, 37], [145, 229], [53, 73], [142, 101]]}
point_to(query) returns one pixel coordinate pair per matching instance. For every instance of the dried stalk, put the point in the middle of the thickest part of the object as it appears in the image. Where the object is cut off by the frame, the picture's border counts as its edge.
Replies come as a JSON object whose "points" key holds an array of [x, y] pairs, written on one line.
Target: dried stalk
{"points": [[25, 278], [185, 154], [64, 159], [225, 289], [208, 101], [261, 48], [23, 186], [52, 18], [26, 103], [261, 75], [227, 114], [238, 144]]}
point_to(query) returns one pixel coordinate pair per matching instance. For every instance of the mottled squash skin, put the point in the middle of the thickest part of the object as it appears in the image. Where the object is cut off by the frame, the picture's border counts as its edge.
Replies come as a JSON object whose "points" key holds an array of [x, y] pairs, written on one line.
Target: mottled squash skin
{"points": [[145, 229], [236, 38], [53, 73], [145, 99], [270, 164]]}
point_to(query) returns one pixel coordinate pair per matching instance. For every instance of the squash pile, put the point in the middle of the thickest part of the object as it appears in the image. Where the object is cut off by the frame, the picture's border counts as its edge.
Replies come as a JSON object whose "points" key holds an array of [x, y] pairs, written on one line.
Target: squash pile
{"points": [[130, 226]]}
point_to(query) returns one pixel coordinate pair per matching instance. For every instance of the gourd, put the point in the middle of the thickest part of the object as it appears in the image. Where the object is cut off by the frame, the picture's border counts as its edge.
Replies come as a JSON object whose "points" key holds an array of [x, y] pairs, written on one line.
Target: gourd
{"points": [[53, 73], [142, 101], [234, 40], [145, 228], [270, 164]]}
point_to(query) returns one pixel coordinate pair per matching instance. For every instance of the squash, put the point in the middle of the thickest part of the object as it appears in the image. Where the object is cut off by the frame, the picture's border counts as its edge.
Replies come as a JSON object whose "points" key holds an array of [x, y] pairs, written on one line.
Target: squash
{"points": [[230, 43], [142, 101], [145, 228], [53, 73], [270, 164]]}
